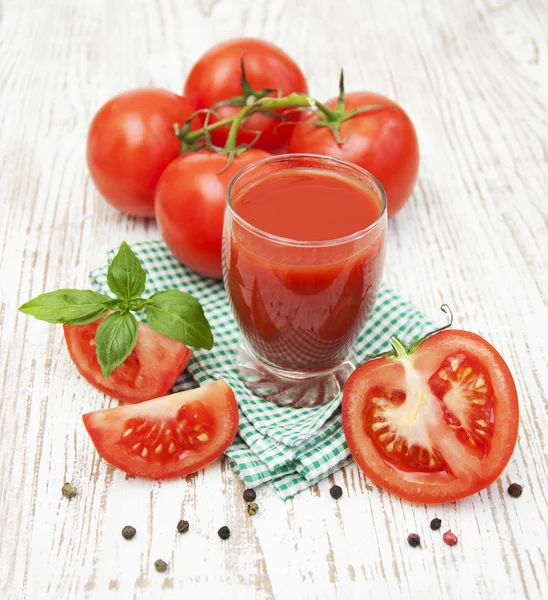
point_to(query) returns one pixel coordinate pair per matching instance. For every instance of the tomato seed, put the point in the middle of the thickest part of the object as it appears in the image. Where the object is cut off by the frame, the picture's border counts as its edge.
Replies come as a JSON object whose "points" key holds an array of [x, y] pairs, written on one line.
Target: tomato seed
{"points": [[515, 490], [336, 492], [414, 540], [224, 532], [128, 532], [450, 538], [250, 495], [68, 490], [435, 524], [160, 565], [252, 508], [183, 526]]}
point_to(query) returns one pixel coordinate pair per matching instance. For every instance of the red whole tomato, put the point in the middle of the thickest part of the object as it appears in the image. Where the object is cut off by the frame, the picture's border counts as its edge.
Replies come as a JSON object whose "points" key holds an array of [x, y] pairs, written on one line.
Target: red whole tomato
{"points": [[437, 422], [190, 205], [382, 141], [130, 143], [148, 372], [217, 76], [167, 437]]}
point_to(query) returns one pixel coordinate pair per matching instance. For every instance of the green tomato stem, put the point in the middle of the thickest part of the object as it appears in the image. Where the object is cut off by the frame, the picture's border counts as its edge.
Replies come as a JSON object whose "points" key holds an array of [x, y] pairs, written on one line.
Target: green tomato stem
{"points": [[198, 133], [340, 99], [401, 350], [362, 109], [444, 308], [263, 105], [330, 115]]}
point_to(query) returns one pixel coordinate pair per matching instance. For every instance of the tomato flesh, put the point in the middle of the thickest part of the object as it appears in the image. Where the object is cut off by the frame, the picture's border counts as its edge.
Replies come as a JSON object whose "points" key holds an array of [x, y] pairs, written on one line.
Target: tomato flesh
{"points": [[465, 396], [467, 400], [159, 441], [380, 417], [167, 437], [435, 426], [148, 372]]}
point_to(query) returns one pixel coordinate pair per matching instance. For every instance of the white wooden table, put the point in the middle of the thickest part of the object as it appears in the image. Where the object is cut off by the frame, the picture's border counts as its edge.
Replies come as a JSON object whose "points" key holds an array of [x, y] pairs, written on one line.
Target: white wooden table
{"points": [[473, 76]]}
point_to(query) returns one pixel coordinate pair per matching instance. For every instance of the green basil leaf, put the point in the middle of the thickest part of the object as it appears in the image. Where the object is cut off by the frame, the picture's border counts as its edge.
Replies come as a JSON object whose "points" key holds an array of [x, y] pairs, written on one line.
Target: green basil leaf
{"points": [[179, 316], [137, 303], [71, 307], [115, 339], [117, 305], [125, 276]]}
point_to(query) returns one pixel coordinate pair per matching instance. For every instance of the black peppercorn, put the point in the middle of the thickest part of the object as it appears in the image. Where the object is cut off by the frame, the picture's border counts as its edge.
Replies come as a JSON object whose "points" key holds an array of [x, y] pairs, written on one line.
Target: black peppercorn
{"points": [[224, 532], [336, 492], [68, 490], [250, 495], [435, 524], [515, 490], [128, 532], [252, 508], [182, 526], [414, 540], [160, 565]]}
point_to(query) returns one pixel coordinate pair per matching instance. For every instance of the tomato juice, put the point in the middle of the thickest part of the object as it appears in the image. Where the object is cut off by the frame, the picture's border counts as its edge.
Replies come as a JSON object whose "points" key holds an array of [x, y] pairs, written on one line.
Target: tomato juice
{"points": [[303, 256]]}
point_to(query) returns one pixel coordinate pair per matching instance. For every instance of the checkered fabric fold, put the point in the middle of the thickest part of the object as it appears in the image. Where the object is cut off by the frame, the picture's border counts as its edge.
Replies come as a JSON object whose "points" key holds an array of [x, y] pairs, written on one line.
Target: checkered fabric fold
{"points": [[288, 448]]}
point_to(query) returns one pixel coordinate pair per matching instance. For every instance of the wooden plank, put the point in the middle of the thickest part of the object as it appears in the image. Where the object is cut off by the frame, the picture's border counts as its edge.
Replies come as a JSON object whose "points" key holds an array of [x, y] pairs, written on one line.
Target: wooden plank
{"points": [[472, 76]]}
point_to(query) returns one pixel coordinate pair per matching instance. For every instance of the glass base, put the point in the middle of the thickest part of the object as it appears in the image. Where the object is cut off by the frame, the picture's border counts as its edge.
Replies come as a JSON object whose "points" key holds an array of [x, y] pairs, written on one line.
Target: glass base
{"points": [[291, 388]]}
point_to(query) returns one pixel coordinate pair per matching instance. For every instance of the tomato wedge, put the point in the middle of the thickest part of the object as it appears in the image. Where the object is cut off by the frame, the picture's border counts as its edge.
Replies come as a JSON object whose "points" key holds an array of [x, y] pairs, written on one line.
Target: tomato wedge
{"points": [[148, 372], [167, 437], [436, 422]]}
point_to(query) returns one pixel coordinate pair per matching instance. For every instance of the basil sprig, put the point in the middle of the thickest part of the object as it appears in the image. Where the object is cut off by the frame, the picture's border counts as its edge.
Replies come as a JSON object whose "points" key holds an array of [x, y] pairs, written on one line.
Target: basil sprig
{"points": [[172, 312]]}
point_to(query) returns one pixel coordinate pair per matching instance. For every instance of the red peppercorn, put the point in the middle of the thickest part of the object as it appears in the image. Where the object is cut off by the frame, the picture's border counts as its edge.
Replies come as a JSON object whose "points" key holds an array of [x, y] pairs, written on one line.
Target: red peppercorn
{"points": [[450, 538]]}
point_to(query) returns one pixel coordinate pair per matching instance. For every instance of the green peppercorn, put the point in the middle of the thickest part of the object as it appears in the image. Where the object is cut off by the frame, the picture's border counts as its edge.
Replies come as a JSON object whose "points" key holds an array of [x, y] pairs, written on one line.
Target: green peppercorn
{"points": [[414, 540], [68, 490], [435, 524], [160, 565], [336, 492], [224, 532], [182, 526], [252, 508], [250, 495], [128, 532], [515, 490]]}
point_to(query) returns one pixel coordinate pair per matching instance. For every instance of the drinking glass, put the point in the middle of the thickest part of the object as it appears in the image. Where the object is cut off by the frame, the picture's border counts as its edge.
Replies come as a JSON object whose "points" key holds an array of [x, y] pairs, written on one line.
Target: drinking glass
{"points": [[300, 305]]}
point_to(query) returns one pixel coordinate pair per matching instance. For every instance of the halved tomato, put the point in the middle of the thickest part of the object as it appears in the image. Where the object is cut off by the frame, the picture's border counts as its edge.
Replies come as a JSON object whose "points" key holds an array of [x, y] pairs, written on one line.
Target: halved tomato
{"points": [[167, 437], [435, 422], [148, 372]]}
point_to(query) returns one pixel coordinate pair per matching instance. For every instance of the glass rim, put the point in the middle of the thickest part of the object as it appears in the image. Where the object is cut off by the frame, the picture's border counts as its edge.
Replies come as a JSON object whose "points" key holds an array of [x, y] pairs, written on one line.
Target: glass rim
{"points": [[305, 243]]}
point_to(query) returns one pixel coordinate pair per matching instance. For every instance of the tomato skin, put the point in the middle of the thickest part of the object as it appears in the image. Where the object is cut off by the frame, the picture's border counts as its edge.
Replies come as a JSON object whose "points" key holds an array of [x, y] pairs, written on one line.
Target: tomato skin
{"points": [[190, 206], [388, 372], [383, 142], [130, 143], [107, 428], [150, 371], [216, 76]]}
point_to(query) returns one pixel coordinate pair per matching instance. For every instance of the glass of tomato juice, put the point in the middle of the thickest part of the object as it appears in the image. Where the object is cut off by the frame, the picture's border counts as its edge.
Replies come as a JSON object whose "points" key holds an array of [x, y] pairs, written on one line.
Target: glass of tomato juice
{"points": [[303, 252]]}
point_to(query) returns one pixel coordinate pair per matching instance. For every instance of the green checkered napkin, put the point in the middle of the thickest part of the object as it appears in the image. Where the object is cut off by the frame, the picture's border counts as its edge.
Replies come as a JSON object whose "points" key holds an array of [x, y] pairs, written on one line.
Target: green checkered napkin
{"points": [[290, 448]]}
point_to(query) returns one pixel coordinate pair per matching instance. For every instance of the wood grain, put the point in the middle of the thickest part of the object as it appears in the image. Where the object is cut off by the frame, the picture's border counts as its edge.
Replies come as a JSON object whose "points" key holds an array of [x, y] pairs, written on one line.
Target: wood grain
{"points": [[472, 75]]}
